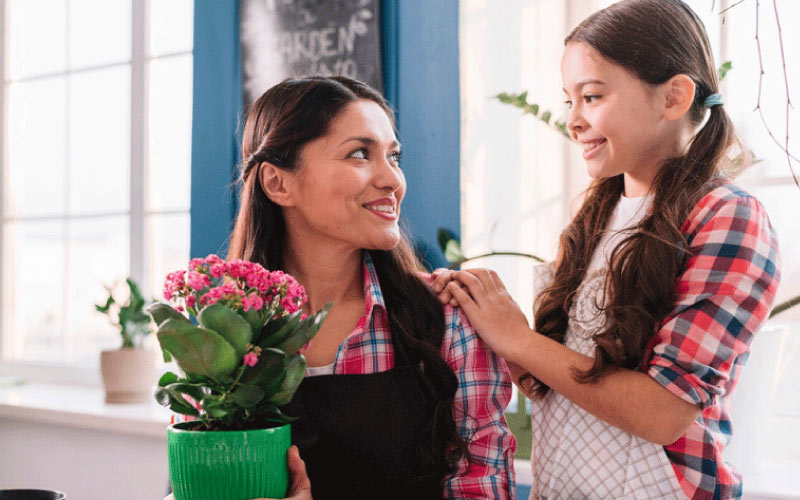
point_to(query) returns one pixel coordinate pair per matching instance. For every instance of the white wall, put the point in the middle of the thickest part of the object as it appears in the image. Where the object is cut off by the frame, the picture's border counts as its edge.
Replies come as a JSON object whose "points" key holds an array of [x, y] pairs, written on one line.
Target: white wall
{"points": [[85, 464]]}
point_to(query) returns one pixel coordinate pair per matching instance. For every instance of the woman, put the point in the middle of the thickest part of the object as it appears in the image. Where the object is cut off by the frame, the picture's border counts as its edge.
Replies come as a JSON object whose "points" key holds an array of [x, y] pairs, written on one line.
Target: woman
{"points": [[402, 400]]}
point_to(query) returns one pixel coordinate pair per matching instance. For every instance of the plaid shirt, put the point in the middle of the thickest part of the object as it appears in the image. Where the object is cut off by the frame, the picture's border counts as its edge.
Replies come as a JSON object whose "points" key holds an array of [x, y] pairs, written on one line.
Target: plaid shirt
{"points": [[484, 391], [724, 296]]}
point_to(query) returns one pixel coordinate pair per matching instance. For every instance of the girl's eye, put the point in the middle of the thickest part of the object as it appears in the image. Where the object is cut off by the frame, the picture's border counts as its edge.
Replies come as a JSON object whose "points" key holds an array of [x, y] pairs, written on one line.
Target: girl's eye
{"points": [[569, 104], [590, 98], [359, 154]]}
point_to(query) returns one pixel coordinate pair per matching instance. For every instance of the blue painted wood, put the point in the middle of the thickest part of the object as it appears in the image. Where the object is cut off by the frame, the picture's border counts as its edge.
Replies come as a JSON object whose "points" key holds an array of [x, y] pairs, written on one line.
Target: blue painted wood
{"points": [[217, 101], [422, 83], [420, 66]]}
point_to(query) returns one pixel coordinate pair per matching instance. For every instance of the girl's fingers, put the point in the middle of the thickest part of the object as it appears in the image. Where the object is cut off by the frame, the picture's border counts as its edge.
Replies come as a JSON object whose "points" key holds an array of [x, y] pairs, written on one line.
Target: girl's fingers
{"points": [[463, 298], [441, 277], [488, 278], [473, 284]]}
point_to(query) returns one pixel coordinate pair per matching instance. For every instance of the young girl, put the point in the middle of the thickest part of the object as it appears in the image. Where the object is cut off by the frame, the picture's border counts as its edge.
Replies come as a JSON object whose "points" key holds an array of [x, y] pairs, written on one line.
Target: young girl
{"points": [[643, 322]]}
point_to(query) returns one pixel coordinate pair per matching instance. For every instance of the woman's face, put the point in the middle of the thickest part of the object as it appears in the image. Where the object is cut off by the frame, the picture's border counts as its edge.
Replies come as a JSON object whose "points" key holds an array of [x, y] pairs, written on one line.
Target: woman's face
{"points": [[348, 187]]}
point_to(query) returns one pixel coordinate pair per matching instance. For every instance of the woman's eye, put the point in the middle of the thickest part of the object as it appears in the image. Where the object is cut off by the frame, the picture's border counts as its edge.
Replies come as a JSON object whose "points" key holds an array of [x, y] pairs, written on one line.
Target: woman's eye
{"points": [[395, 157], [359, 154]]}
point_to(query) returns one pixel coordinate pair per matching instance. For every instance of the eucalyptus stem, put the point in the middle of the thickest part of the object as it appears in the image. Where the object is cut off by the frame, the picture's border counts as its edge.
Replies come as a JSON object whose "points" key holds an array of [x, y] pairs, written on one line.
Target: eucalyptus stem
{"points": [[783, 306], [492, 254]]}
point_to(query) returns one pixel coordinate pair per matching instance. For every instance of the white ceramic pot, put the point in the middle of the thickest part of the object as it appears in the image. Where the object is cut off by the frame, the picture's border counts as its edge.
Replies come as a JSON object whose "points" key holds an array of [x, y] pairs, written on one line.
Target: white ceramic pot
{"points": [[128, 374]]}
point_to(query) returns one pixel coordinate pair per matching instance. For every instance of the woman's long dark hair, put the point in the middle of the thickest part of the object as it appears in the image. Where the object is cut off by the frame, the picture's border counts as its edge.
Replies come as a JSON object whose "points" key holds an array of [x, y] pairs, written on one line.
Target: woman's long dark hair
{"points": [[280, 123], [654, 40]]}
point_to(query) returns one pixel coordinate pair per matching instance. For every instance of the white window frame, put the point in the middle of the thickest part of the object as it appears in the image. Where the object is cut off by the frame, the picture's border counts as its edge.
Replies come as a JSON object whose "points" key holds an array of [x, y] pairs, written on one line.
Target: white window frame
{"points": [[67, 373]]}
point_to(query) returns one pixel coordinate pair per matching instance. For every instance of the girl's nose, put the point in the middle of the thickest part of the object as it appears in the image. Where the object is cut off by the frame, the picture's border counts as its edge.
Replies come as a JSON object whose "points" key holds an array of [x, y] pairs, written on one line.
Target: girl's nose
{"points": [[575, 122]]}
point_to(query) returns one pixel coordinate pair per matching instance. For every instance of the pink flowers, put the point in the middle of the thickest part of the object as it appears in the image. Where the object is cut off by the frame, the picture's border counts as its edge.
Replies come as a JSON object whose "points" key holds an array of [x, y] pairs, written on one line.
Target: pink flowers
{"points": [[250, 359], [243, 286]]}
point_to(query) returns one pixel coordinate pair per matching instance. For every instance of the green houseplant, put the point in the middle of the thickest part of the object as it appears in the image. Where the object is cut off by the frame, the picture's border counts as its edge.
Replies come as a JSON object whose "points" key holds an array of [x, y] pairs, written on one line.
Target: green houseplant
{"points": [[240, 363], [128, 372]]}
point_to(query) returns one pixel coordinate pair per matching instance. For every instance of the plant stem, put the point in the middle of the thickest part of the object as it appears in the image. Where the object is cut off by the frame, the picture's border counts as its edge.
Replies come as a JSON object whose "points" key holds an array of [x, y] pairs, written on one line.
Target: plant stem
{"points": [[492, 254], [783, 306]]}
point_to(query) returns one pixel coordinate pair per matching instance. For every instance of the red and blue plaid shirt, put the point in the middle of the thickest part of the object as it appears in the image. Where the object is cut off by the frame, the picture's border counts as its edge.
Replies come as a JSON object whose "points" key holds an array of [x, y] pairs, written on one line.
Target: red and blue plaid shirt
{"points": [[724, 296], [484, 391]]}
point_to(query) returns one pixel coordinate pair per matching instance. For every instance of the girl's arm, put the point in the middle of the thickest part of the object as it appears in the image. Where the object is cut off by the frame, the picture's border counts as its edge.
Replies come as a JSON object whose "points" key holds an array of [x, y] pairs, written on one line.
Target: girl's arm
{"points": [[725, 294], [628, 399]]}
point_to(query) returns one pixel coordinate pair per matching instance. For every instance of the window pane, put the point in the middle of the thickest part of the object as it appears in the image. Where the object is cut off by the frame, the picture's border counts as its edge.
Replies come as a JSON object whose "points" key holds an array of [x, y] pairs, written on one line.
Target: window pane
{"points": [[99, 32], [33, 290], [742, 82], [35, 42], [170, 133], [99, 141], [36, 148], [171, 26], [167, 249], [98, 252]]}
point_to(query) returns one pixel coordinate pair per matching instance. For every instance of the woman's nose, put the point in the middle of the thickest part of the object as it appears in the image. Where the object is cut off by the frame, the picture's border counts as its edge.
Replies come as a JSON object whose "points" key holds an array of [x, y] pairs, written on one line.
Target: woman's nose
{"points": [[389, 177]]}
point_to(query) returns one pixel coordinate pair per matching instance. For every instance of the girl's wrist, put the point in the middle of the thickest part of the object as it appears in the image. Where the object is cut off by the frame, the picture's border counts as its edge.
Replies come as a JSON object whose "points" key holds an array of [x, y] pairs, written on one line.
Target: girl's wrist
{"points": [[516, 351]]}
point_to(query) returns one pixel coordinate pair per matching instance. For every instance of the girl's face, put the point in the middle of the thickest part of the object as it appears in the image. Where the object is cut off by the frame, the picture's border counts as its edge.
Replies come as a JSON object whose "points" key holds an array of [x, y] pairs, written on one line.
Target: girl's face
{"points": [[615, 117], [349, 185]]}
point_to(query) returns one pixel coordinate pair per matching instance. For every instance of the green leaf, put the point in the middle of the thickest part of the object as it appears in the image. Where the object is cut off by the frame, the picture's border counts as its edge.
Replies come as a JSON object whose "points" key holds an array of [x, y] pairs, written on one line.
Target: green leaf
{"points": [[104, 309], [453, 252], [271, 366], [723, 69], [247, 395], [443, 236], [306, 331], [166, 355], [274, 414], [295, 371], [546, 117], [226, 322], [166, 379], [278, 330], [198, 351], [162, 312], [255, 319], [175, 402]]}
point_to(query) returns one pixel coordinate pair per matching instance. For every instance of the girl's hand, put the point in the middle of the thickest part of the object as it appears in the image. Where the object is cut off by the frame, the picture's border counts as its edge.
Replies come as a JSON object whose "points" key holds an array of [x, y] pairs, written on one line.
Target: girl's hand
{"points": [[491, 310], [301, 486], [441, 277]]}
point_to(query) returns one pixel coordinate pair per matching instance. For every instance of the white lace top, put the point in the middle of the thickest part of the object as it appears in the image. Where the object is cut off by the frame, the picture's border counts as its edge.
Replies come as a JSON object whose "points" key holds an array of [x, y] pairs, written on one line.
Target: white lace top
{"points": [[577, 456]]}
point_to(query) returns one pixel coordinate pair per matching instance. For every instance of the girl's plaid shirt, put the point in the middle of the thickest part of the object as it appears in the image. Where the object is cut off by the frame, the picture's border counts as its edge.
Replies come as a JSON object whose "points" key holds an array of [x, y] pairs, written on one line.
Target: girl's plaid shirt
{"points": [[724, 295]]}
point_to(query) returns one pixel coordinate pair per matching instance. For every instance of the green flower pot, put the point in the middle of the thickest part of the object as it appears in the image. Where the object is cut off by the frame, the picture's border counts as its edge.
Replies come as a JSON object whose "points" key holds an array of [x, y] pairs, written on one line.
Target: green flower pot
{"points": [[228, 465]]}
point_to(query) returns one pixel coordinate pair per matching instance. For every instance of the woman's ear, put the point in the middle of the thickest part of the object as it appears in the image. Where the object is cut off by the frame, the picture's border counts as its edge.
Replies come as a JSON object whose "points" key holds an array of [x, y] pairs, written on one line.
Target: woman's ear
{"points": [[678, 96], [275, 184]]}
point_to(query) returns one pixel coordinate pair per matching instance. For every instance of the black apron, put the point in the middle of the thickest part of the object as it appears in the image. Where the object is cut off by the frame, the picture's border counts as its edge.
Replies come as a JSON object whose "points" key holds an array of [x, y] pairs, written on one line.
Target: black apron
{"points": [[358, 435]]}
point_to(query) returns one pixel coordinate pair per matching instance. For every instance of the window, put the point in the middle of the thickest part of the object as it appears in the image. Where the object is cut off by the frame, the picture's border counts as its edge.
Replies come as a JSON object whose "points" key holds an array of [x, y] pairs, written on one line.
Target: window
{"points": [[96, 129], [520, 178]]}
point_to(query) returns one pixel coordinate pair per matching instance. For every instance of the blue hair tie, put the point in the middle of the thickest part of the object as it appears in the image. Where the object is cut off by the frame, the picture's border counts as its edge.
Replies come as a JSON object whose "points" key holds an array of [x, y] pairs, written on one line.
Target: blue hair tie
{"points": [[713, 100]]}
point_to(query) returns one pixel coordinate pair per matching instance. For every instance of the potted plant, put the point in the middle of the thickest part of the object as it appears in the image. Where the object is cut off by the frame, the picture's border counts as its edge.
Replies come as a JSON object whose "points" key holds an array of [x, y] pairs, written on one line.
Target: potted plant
{"points": [[128, 372], [239, 365]]}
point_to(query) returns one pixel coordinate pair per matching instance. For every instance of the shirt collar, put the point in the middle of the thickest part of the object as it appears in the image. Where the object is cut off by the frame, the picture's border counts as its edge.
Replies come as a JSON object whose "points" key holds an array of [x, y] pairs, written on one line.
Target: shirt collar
{"points": [[373, 296]]}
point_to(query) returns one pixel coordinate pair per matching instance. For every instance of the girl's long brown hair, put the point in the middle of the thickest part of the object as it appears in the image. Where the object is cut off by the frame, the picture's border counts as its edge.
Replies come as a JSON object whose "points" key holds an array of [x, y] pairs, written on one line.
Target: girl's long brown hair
{"points": [[655, 40], [280, 123]]}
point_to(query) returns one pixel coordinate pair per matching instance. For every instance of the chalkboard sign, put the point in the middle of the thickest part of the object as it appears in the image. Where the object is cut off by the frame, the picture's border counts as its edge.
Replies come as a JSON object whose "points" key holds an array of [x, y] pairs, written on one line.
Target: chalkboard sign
{"points": [[293, 38]]}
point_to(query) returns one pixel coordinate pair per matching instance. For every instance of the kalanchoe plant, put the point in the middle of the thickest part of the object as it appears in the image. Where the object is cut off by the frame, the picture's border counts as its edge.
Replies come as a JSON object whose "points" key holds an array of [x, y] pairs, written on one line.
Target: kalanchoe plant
{"points": [[130, 317], [240, 362]]}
